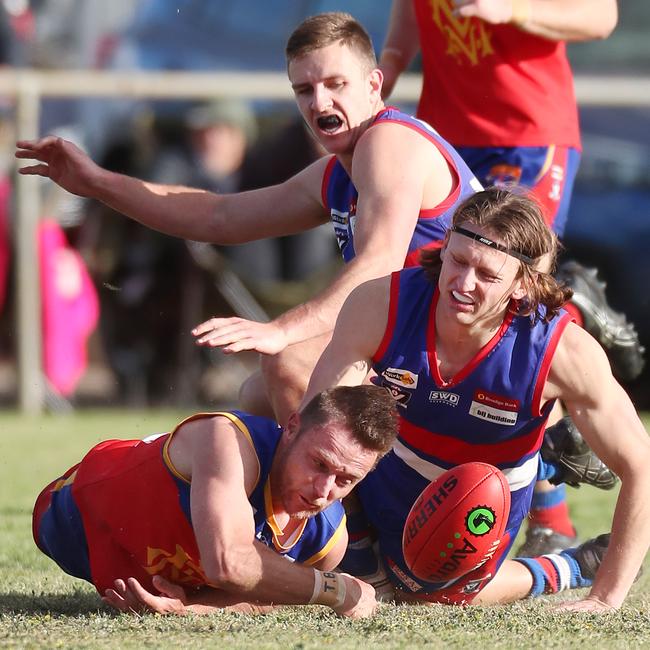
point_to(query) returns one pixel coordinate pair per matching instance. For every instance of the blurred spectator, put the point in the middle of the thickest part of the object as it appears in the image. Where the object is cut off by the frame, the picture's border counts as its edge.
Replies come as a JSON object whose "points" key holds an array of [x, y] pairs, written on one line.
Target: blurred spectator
{"points": [[274, 160]]}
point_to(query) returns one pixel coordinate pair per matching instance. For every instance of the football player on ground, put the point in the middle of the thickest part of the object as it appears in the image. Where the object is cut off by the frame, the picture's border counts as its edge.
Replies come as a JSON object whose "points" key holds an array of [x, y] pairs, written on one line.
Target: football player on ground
{"points": [[206, 517], [476, 348]]}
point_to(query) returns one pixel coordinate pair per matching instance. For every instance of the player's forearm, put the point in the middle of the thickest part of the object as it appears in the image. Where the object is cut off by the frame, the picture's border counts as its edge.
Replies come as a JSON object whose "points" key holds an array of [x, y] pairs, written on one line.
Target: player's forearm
{"points": [[630, 538], [207, 601], [255, 573], [401, 44], [559, 20], [318, 315], [174, 210]]}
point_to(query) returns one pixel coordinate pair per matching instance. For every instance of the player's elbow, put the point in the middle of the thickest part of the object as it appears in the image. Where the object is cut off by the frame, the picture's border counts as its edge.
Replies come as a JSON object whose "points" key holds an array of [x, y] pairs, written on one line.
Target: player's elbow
{"points": [[633, 468], [232, 569], [608, 19]]}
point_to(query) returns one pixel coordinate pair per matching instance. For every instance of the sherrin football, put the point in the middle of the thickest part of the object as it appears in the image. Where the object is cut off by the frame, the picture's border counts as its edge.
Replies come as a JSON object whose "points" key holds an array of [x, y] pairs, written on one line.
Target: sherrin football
{"points": [[456, 523]]}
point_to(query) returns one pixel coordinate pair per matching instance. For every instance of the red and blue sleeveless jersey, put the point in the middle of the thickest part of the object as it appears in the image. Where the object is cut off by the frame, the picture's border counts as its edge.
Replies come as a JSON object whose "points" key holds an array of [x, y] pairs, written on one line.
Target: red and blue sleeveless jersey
{"points": [[125, 511], [490, 411], [339, 195]]}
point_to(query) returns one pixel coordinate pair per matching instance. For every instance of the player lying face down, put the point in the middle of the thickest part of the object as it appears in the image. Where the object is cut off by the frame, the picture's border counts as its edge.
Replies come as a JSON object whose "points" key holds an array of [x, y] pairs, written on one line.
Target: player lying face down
{"points": [[475, 348], [207, 516]]}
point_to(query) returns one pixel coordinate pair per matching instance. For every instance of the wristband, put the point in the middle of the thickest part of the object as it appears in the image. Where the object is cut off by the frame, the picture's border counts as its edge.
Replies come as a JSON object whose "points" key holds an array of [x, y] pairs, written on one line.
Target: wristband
{"points": [[520, 12], [329, 589]]}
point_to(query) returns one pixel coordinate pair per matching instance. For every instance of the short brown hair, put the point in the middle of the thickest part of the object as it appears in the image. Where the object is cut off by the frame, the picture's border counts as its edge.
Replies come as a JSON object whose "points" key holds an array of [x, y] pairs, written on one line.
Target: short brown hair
{"points": [[367, 412], [325, 29], [515, 218]]}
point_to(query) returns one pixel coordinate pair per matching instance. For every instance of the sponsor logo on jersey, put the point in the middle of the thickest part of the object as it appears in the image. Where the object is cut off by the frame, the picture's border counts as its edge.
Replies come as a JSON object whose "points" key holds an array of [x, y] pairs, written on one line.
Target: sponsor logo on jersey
{"points": [[444, 397], [340, 221], [468, 39], [401, 377], [474, 586], [406, 580], [494, 408], [338, 217], [504, 175], [401, 396]]}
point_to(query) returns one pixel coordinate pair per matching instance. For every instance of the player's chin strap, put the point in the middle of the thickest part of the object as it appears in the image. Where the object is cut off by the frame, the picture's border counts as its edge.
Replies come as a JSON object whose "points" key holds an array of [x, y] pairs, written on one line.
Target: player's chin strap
{"points": [[329, 589], [482, 239]]}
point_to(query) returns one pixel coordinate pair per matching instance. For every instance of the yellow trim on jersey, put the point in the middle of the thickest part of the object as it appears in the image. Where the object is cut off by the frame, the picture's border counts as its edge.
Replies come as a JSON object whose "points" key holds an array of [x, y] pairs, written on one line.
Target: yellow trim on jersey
{"points": [[273, 524], [62, 482], [197, 416], [333, 540], [550, 154]]}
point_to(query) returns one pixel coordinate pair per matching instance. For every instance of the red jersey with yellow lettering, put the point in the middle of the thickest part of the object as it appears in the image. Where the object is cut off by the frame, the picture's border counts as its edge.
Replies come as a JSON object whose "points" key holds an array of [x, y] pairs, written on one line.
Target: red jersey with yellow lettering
{"points": [[125, 511], [493, 85]]}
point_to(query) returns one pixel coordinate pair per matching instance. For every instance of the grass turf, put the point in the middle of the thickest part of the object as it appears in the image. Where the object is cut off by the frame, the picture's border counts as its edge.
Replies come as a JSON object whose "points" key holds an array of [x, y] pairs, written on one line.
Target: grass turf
{"points": [[42, 607]]}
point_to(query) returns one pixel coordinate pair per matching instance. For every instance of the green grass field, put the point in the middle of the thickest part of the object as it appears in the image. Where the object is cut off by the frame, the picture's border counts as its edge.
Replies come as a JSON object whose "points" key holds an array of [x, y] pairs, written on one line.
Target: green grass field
{"points": [[42, 607]]}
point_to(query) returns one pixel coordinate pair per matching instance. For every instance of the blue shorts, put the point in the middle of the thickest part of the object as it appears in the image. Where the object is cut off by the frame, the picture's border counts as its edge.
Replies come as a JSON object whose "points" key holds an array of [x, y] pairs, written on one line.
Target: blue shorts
{"points": [[549, 171], [58, 530], [387, 494]]}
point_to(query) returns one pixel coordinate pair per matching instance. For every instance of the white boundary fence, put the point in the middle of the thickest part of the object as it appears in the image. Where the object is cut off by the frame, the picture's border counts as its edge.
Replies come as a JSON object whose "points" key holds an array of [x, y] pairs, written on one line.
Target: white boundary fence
{"points": [[28, 87]]}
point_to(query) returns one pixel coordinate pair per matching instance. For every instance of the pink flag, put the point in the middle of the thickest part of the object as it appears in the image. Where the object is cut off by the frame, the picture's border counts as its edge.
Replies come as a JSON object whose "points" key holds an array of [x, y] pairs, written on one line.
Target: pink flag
{"points": [[70, 308]]}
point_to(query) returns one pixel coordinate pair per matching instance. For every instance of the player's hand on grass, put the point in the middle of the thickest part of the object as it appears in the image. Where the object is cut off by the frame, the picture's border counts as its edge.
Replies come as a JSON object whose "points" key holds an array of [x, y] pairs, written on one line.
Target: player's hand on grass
{"points": [[131, 596], [238, 334], [589, 605], [360, 600], [62, 161]]}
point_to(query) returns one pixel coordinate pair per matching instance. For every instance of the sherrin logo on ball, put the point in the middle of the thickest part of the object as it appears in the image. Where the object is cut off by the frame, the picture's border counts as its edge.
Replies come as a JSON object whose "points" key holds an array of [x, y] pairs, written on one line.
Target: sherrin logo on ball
{"points": [[456, 523]]}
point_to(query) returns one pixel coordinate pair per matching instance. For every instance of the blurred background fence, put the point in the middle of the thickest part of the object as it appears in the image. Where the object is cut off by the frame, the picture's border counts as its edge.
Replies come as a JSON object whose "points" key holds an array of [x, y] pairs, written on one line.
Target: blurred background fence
{"points": [[123, 79]]}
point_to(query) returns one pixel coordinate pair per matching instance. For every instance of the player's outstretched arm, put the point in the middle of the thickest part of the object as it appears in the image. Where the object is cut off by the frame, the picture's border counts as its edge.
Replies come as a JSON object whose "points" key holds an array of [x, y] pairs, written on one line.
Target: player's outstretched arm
{"points": [[580, 375], [130, 596], [359, 330], [180, 211], [224, 470], [387, 212]]}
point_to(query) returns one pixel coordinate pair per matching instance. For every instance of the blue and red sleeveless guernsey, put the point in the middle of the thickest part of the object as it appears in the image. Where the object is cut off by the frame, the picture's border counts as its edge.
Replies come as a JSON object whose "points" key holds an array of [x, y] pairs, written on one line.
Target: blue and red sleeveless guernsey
{"points": [[339, 195], [125, 511], [490, 411]]}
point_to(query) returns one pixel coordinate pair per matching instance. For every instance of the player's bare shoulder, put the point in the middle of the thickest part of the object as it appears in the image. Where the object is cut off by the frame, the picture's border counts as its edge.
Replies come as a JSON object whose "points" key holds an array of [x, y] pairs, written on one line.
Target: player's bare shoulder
{"points": [[579, 366], [218, 438], [397, 140]]}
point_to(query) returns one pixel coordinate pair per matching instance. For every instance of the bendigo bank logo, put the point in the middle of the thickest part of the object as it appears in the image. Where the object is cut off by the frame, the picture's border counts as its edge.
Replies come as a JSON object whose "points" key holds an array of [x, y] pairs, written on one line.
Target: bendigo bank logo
{"points": [[468, 39], [498, 409]]}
